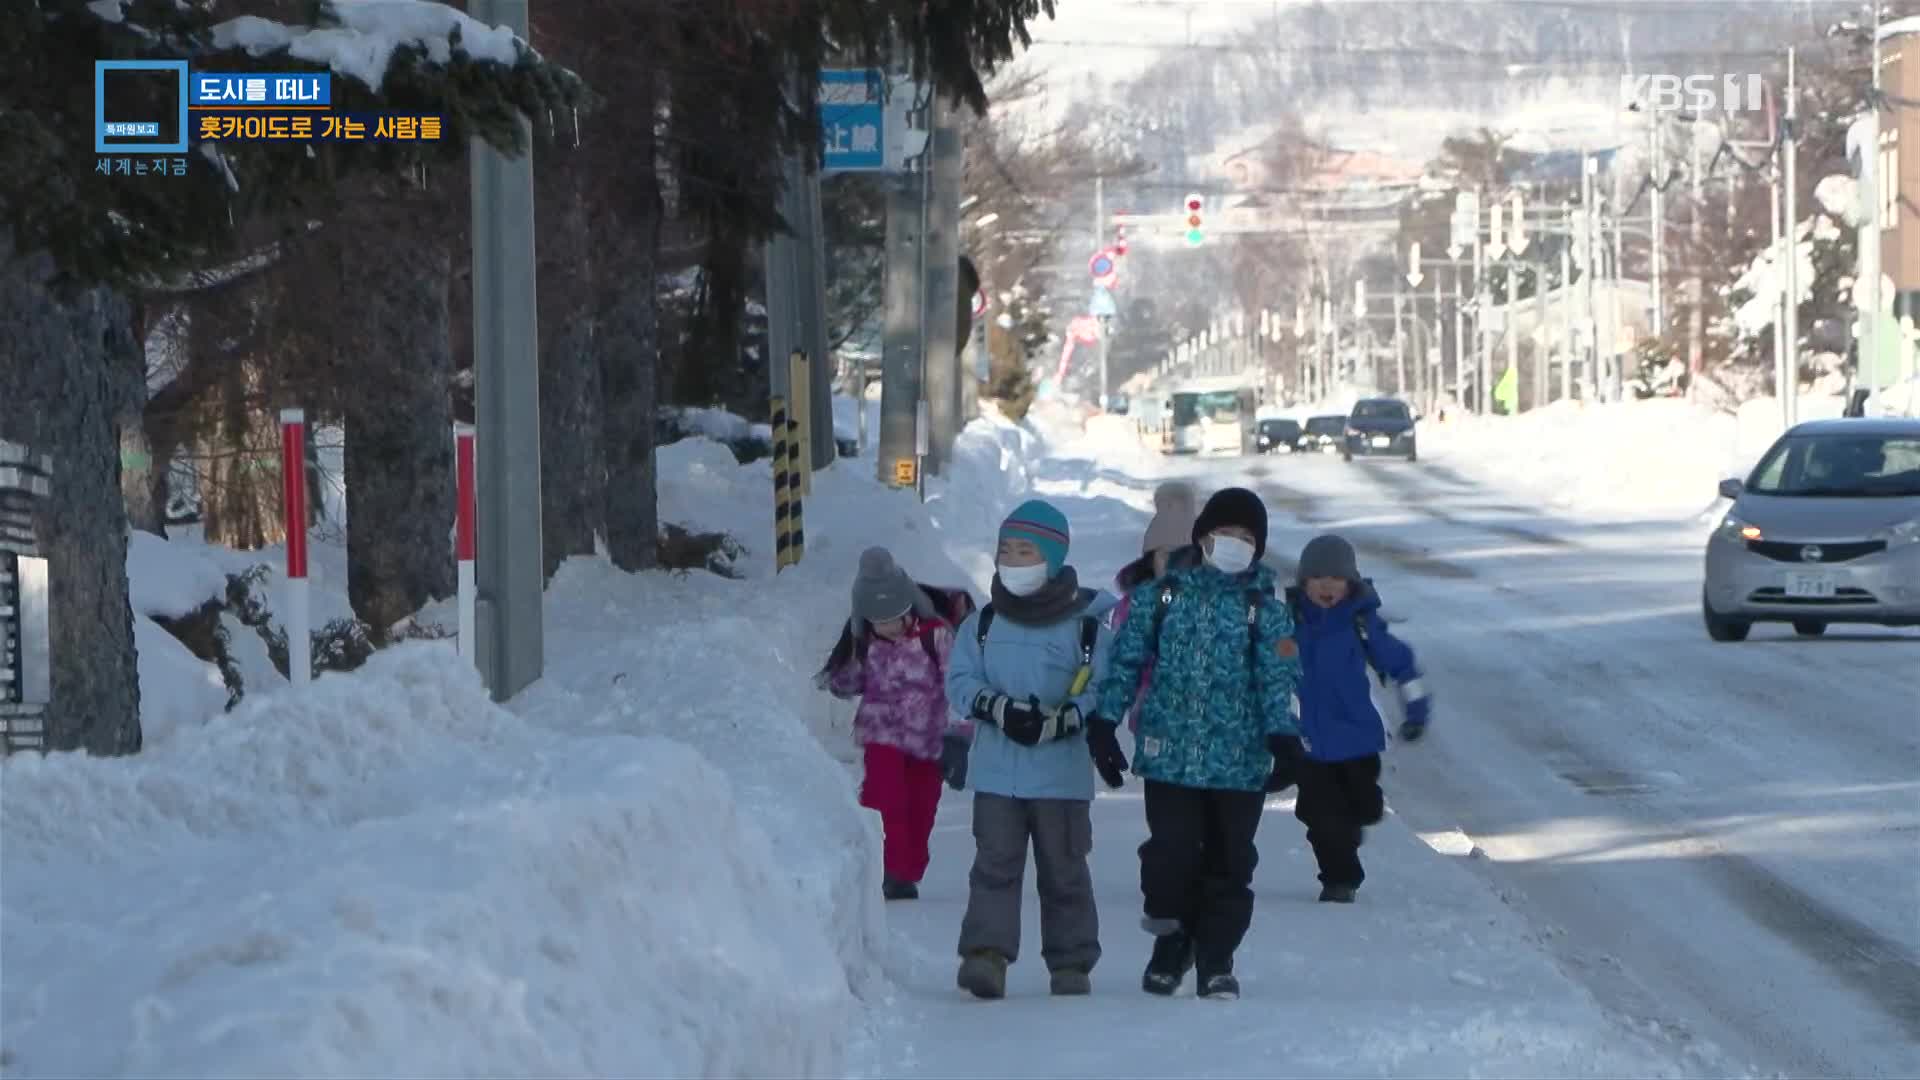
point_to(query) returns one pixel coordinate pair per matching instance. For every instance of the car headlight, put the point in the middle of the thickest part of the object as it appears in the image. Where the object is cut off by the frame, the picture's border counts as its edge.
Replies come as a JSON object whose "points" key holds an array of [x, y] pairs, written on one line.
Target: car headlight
{"points": [[1733, 528], [1907, 532]]}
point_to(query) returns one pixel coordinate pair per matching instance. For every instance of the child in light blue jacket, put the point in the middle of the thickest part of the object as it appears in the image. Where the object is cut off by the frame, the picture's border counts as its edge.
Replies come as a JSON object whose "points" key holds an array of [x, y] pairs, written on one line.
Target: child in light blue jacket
{"points": [[1026, 669]]}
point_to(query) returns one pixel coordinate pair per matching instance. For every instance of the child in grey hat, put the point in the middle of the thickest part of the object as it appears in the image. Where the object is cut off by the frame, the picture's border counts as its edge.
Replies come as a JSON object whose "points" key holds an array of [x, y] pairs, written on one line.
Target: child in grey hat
{"points": [[893, 657]]}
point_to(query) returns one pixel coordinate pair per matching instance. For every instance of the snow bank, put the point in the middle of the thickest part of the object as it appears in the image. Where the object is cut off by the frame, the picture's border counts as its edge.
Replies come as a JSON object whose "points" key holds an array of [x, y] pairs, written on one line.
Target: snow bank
{"points": [[1655, 457], [178, 690], [390, 874], [369, 31], [1660, 457], [170, 580]]}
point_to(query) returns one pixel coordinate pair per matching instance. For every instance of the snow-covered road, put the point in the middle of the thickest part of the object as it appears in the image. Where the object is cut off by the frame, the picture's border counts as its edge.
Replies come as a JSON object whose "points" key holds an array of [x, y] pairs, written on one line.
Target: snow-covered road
{"points": [[1720, 843], [1720, 839]]}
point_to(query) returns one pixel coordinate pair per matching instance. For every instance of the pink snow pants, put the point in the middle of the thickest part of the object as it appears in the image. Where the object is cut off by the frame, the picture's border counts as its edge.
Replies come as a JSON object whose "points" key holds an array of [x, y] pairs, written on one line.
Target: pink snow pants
{"points": [[906, 792]]}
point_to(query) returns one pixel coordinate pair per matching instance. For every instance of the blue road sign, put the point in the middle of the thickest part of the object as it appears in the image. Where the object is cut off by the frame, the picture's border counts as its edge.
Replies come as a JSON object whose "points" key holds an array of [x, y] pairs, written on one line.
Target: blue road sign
{"points": [[852, 120]]}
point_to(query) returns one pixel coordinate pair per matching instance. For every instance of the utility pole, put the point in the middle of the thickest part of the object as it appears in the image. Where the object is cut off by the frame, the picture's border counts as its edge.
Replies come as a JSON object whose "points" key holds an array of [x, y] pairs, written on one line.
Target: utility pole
{"points": [[510, 575], [1460, 336], [941, 292], [1616, 356], [1485, 396], [1697, 318], [1589, 166], [901, 361], [1871, 183], [1399, 347], [1490, 254], [1542, 352], [1790, 313], [1566, 316], [1659, 244], [1100, 244]]}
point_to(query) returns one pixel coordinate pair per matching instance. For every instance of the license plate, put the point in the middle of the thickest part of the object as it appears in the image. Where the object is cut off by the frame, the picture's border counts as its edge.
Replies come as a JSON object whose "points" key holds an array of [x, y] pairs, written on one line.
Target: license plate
{"points": [[1382, 441], [1810, 586]]}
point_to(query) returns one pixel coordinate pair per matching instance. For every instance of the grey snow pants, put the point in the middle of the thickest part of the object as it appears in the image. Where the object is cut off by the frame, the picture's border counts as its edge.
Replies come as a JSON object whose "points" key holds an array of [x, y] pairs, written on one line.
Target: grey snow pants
{"points": [[1062, 835]]}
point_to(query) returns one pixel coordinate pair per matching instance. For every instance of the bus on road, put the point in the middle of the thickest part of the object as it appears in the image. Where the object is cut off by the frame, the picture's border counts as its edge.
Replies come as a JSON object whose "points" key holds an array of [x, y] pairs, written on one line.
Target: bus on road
{"points": [[1211, 416]]}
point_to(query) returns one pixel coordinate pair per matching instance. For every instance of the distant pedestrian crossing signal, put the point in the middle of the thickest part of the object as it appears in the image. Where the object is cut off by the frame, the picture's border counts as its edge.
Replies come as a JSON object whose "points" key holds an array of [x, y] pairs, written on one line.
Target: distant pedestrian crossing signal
{"points": [[1194, 234]]}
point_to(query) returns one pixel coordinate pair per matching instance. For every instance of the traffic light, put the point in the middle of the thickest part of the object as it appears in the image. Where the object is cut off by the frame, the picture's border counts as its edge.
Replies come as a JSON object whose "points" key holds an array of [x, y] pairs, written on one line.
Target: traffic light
{"points": [[1194, 234]]}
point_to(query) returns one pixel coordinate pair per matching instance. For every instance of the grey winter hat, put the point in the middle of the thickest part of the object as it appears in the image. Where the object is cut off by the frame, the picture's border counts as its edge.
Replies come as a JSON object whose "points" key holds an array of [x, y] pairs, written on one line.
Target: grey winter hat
{"points": [[1173, 513], [1330, 556], [882, 590]]}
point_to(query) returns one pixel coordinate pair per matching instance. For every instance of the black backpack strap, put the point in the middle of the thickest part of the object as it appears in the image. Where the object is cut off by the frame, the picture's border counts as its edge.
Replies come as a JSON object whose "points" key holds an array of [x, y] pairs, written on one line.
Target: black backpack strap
{"points": [[1161, 604], [1089, 637], [986, 623], [1360, 631]]}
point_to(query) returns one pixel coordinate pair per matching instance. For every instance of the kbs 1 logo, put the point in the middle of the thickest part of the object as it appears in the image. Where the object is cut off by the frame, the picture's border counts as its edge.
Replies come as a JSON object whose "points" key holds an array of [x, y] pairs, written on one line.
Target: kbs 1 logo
{"points": [[1698, 93]]}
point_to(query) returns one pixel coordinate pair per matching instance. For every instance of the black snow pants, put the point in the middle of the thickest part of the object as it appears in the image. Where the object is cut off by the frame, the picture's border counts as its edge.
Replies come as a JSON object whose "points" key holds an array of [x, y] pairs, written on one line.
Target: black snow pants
{"points": [[1197, 863], [1337, 800]]}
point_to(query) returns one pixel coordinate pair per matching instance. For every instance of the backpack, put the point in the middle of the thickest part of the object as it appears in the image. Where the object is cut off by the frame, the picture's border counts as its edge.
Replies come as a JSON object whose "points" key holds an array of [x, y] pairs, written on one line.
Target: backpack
{"points": [[1359, 629], [953, 605], [1089, 638]]}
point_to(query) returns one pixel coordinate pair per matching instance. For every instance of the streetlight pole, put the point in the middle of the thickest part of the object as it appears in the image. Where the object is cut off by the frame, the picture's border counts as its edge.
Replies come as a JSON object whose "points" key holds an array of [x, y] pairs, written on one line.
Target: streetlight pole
{"points": [[510, 572], [1790, 315]]}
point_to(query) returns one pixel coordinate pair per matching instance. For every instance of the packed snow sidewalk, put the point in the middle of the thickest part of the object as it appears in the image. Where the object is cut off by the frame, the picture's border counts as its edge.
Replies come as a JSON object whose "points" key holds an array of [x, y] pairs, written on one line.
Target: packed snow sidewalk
{"points": [[1426, 975]]}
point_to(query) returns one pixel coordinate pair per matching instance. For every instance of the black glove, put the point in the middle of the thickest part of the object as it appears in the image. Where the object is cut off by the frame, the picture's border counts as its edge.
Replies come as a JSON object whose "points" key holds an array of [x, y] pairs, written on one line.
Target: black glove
{"points": [[1024, 723], [954, 749], [1287, 752], [1104, 744]]}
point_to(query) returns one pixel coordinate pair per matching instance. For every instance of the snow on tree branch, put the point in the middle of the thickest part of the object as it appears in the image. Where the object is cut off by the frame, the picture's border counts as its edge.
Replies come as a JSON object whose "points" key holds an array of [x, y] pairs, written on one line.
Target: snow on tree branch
{"points": [[367, 32]]}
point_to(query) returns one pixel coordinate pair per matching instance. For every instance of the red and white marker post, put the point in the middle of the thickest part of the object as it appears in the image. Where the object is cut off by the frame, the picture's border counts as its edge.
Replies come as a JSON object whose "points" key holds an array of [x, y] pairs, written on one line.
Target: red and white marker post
{"points": [[463, 533], [293, 487]]}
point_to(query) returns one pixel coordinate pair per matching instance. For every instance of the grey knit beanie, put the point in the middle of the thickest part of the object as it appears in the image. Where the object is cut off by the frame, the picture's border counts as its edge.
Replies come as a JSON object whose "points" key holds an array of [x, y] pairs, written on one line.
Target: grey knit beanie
{"points": [[1173, 514], [1328, 556], [882, 590]]}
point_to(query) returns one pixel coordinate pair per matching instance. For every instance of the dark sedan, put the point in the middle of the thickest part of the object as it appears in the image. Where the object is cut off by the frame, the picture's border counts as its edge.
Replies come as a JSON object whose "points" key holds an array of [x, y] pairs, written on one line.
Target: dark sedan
{"points": [[1380, 426], [1323, 434], [1278, 436]]}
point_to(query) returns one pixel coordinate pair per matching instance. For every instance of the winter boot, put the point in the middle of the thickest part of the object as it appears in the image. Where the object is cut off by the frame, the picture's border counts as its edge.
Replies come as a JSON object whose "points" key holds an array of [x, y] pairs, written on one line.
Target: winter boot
{"points": [[984, 974], [1221, 986], [1172, 959], [1072, 982], [1338, 894], [894, 889]]}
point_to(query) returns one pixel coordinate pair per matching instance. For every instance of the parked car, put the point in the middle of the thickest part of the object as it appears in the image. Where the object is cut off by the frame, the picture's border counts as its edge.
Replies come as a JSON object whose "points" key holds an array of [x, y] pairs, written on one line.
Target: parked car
{"points": [[1826, 529], [1380, 426], [1282, 436], [1323, 433]]}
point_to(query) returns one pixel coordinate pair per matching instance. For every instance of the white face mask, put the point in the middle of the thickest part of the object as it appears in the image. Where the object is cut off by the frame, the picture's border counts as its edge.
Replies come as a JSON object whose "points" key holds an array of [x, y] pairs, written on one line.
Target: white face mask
{"points": [[1022, 580], [1230, 554]]}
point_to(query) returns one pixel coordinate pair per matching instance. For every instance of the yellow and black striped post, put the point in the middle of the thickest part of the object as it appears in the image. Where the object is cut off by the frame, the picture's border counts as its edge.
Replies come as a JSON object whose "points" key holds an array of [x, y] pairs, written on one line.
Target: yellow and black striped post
{"points": [[800, 388], [789, 537]]}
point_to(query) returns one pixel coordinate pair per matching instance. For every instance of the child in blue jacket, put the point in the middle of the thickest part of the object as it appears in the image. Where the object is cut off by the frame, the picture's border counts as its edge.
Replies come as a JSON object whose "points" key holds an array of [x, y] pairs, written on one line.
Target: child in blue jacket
{"points": [[1342, 640], [1025, 668], [1216, 734]]}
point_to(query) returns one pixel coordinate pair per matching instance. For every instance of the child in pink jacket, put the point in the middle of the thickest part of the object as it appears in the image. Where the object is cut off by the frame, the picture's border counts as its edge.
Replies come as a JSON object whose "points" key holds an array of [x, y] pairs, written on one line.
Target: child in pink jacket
{"points": [[892, 655], [1168, 542]]}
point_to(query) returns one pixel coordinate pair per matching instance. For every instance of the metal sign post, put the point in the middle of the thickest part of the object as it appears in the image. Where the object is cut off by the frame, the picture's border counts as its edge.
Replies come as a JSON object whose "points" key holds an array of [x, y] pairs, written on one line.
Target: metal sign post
{"points": [[26, 640], [922, 422]]}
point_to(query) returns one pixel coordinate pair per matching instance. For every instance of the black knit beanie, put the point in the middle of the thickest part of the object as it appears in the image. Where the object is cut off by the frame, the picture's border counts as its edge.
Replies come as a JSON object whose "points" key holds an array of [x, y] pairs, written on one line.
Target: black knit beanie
{"points": [[1234, 506]]}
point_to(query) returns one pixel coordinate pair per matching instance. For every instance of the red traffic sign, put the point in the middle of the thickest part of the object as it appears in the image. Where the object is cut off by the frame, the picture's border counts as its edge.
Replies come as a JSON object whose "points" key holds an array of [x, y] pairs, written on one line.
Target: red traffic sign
{"points": [[979, 302], [1101, 265]]}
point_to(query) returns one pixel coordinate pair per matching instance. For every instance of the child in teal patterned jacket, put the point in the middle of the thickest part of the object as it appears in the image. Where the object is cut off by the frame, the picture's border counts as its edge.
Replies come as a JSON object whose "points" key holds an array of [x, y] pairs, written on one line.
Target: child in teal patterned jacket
{"points": [[1217, 732]]}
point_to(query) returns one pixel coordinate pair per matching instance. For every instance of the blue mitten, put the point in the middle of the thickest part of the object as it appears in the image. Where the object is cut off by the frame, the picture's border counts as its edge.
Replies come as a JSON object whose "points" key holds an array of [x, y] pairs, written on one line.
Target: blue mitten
{"points": [[1419, 710]]}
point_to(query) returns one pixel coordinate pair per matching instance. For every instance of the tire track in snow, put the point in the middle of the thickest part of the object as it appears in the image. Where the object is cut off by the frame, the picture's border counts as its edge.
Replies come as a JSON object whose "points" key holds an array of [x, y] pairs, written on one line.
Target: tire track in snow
{"points": [[1305, 507], [1420, 499]]}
